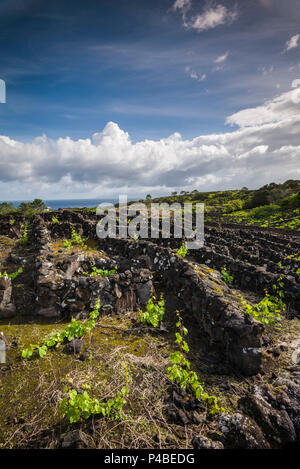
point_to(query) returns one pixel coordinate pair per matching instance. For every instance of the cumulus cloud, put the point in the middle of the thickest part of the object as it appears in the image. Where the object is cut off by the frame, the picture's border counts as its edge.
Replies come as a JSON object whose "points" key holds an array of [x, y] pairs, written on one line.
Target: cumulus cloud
{"points": [[292, 43], [265, 147], [278, 109]]}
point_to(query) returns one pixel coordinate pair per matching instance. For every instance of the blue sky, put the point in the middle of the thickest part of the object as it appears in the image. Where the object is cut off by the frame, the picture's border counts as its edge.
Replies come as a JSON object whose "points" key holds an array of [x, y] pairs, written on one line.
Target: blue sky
{"points": [[154, 69]]}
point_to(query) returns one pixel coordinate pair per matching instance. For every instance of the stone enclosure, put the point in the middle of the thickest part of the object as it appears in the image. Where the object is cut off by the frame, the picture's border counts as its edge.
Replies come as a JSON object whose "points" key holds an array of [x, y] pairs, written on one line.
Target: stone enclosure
{"points": [[56, 284], [57, 281]]}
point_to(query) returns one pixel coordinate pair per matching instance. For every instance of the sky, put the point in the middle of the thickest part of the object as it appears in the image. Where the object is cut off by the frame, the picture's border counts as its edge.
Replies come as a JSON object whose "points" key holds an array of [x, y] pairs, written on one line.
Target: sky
{"points": [[147, 96]]}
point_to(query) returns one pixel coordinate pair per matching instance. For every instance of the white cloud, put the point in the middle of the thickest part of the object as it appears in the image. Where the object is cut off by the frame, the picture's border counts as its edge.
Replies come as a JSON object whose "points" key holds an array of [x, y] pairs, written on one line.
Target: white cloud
{"points": [[221, 58], [265, 147], [280, 108], [194, 75], [212, 17], [292, 43], [182, 4]]}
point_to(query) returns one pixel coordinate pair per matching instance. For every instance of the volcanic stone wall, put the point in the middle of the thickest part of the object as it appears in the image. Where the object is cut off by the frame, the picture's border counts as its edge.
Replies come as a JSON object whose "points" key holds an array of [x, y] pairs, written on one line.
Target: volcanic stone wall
{"points": [[62, 286], [210, 305]]}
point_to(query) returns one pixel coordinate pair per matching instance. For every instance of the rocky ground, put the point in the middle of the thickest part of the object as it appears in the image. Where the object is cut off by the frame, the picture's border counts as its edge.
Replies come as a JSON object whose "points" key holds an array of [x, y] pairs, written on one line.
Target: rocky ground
{"points": [[252, 368]]}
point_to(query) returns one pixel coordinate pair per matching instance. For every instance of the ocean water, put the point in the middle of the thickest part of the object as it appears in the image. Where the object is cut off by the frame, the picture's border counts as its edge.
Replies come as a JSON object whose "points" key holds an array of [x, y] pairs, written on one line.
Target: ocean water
{"points": [[71, 203]]}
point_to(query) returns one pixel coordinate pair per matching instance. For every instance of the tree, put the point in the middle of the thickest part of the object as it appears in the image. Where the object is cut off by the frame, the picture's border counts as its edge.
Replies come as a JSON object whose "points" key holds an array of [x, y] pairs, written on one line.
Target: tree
{"points": [[6, 207], [38, 204], [260, 198], [29, 208]]}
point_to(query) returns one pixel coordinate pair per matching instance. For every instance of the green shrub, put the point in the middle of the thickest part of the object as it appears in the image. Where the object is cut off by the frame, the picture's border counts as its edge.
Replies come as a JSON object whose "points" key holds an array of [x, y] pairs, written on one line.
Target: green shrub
{"points": [[75, 330], [76, 240], [154, 312], [226, 276], [182, 251], [68, 244], [102, 272], [264, 212], [13, 275], [180, 373], [29, 209], [24, 237], [76, 406], [269, 309], [6, 207], [293, 201]]}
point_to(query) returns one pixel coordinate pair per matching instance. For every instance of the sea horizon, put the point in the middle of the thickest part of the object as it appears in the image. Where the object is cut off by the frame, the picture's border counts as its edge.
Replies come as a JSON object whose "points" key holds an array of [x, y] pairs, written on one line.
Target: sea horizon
{"points": [[56, 204]]}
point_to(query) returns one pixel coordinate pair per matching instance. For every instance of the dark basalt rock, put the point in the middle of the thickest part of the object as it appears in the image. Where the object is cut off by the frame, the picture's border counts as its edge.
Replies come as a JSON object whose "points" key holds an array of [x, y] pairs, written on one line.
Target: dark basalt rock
{"points": [[84, 356], [275, 424], [75, 439], [7, 308], [276, 409], [182, 417], [240, 432], [201, 442], [75, 346]]}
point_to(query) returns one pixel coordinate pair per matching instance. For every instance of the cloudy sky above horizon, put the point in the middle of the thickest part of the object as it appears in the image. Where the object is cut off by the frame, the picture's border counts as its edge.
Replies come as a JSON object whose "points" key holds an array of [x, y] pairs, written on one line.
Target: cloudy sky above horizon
{"points": [[111, 96]]}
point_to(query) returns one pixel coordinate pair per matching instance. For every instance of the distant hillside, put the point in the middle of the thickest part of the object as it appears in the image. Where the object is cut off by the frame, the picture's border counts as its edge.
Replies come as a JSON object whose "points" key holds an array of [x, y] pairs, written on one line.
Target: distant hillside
{"points": [[274, 205]]}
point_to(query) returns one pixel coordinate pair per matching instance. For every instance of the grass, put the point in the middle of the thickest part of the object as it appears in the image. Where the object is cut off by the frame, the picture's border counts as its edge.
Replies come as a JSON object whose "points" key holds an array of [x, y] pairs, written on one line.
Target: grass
{"points": [[117, 347], [110, 350], [274, 205]]}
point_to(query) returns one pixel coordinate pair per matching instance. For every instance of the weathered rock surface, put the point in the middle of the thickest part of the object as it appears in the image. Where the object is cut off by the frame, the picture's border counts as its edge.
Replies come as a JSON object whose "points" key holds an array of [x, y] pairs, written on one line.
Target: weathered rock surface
{"points": [[269, 416], [240, 432], [201, 442], [7, 308], [275, 423], [75, 439], [75, 346]]}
